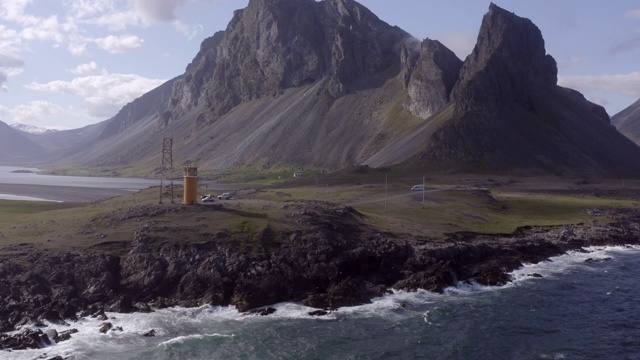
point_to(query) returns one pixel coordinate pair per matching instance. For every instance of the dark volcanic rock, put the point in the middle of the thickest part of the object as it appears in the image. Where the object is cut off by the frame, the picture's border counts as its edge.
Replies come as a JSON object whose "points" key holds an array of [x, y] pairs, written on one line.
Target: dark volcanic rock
{"points": [[431, 71], [508, 61], [338, 261], [27, 339], [509, 113], [263, 312], [105, 327]]}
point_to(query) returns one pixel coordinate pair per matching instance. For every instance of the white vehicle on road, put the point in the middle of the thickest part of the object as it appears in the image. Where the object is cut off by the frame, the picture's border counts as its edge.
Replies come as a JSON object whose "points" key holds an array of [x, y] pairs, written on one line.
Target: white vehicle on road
{"points": [[207, 198]]}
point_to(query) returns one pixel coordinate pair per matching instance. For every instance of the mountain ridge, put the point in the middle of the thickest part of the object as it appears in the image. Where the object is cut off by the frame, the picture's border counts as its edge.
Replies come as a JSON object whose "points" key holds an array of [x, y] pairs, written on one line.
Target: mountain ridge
{"points": [[16, 148], [300, 83]]}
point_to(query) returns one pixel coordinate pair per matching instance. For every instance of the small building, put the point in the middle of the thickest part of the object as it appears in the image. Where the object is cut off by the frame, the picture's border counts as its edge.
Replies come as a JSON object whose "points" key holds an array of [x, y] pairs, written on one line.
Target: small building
{"points": [[297, 174]]}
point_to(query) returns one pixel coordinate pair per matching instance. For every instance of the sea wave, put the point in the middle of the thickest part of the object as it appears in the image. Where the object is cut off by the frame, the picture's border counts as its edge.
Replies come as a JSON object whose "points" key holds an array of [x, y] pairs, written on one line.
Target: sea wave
{"points": [[186, 338], [178, 328]]}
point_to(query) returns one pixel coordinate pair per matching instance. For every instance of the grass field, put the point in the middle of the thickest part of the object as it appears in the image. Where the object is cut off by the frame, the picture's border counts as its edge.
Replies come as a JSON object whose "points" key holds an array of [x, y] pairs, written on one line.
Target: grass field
{"points": [[450, 204]]}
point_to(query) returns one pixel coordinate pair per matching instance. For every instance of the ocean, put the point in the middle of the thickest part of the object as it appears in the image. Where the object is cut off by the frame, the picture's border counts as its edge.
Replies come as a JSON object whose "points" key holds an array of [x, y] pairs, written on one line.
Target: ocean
{"points": [[582, 305]]}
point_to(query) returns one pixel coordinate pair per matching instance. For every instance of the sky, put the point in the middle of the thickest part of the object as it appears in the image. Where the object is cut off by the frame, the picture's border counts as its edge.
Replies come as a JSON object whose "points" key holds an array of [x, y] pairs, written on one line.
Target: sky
{"points": [[66, 64]]}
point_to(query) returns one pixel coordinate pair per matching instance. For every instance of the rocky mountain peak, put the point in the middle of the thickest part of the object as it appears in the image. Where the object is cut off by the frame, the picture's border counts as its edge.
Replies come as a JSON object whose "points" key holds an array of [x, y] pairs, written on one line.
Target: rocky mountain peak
{"points": [[431, 71], [508, 61], [272, 45]]}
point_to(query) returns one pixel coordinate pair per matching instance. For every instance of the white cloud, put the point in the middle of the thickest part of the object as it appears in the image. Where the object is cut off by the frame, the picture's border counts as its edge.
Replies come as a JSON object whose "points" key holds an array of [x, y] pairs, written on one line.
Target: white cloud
{"points": [[46, 29], [105, 93], [633, 14], [13, 10], [119, 44], [3, 80], [599, 100], [87, 8], [623, 84], [86, 69], [190, 31], [33, 111], [7, 61], [158, 10], [9, 66], [117, 20]]}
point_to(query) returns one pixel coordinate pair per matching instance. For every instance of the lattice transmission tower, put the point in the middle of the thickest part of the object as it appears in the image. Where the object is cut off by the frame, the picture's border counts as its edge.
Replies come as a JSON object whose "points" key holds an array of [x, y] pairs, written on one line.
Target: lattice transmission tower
{"points": [[166, 192]]}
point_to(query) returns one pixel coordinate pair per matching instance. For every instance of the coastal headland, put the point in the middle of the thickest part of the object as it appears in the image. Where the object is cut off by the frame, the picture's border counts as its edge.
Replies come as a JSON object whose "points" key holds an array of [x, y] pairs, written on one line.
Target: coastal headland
{"points": [[322, 241]]}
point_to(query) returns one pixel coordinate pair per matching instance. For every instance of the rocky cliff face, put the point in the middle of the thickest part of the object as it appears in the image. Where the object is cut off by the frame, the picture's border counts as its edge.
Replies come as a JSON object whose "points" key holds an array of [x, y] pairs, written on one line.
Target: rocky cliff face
{"points": [[507, 63], [150, 104], [190, 89], [431, 71], [273, 45], [508, 112]]}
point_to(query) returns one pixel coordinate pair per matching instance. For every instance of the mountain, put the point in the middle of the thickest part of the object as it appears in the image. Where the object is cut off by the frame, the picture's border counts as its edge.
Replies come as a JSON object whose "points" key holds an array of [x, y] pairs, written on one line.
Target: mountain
{"points": [[31, 129], [278, 65], [16, 148], [628, 121], [507, 113], [301, 83]]}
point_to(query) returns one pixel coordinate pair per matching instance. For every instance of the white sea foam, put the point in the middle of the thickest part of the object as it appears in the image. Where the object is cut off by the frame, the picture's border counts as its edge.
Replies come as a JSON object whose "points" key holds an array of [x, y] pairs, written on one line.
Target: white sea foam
{"points": [[571, 261], [176, 326], [575, 260], [186, 338]]}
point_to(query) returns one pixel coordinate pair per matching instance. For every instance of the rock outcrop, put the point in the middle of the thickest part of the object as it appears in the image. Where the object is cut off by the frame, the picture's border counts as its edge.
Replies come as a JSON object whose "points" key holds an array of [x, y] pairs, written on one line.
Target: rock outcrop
{"points": [[150, 104], [508, 64], [271, 46], [431, 71], [192, 89], [339, 261], [509, 113]]}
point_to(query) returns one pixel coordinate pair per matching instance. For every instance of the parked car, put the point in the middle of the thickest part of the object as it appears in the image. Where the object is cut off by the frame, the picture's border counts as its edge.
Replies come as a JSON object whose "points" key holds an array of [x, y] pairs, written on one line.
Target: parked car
{"points": [[207, 198], [224, 196], [417, 188]]}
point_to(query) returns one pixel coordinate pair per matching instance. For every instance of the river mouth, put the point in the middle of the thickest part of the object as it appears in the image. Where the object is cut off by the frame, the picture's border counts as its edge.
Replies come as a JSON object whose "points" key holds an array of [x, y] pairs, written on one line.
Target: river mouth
{"points": [[24, 198], [25, 184]]}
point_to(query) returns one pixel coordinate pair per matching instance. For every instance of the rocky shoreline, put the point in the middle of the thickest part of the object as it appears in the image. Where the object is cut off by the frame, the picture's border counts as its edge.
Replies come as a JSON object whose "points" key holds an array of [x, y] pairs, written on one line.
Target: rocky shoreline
{"points": [[337, 262]]}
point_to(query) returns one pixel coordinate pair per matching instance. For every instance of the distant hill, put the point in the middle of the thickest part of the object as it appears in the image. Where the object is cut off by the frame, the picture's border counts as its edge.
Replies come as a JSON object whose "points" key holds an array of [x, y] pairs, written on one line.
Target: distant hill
{"points": [[31, 129], [300, 83], [16, 148], [628, 121]]}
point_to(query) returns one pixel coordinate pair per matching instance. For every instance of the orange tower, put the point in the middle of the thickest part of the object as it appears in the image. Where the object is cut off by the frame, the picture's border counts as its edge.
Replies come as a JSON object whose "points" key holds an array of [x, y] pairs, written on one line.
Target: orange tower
{"points": [[190, 185]]}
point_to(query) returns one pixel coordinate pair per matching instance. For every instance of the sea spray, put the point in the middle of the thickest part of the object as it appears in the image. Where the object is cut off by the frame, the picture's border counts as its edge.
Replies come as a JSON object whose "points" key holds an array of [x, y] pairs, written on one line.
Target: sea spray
{"points": [[582, 306]]}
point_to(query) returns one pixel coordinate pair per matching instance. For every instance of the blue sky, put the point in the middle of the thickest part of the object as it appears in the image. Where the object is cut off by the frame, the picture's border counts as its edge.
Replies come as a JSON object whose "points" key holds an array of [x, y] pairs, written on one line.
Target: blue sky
{"points": [[70, 63]]}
